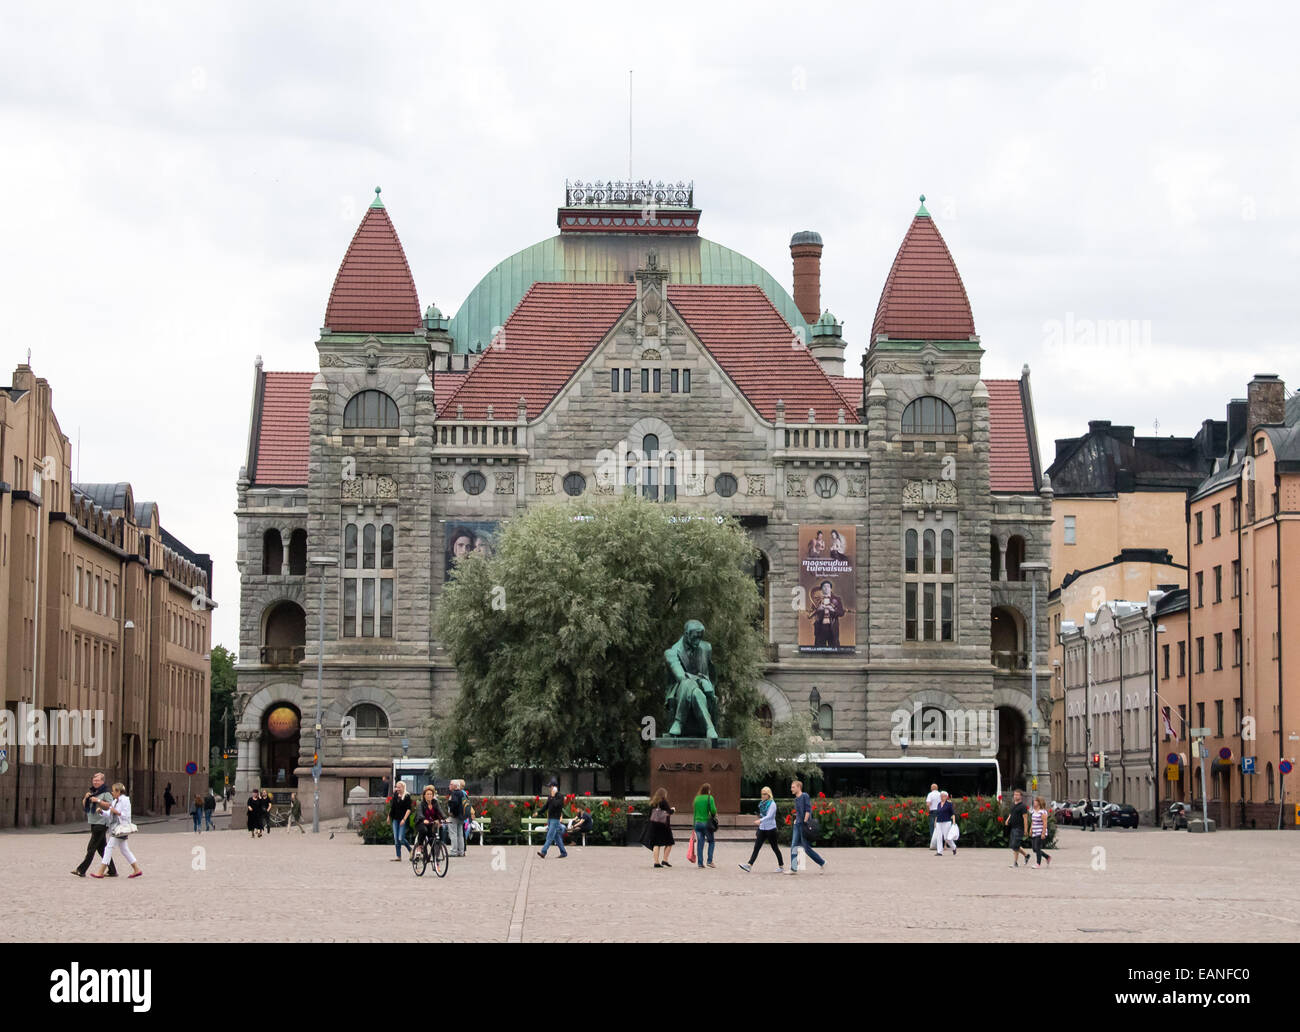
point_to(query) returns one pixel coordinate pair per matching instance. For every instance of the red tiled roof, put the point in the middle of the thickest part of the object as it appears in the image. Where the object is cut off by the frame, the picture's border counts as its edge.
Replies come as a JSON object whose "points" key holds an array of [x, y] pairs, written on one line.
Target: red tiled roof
{"points": [[283, 435], [753, 344], [1011, 464], [923, 297], [552, 330], [373, 291], [850, 389]]}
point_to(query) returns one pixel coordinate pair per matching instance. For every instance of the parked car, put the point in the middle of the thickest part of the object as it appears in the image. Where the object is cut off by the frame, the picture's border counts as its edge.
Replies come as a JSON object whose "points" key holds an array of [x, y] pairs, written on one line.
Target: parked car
{"points": [[1119, 815], [1175, 817], [1061, 813]]}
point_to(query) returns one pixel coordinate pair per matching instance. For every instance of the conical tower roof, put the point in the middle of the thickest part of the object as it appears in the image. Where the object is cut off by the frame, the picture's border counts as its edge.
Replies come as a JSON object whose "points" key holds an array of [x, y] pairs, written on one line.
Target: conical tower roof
{"points": [[924, 298], [374, 291]]}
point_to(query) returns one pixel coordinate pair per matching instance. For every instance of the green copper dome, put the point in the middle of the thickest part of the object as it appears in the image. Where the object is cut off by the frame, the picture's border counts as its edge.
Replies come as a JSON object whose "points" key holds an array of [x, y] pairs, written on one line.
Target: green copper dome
{"points": [[606, 258]]}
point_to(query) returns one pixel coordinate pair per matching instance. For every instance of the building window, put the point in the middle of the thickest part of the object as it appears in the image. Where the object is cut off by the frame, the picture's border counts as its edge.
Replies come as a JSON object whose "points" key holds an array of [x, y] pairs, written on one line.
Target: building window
{"points": [[272, 553], [627, 381], [574, 484], [929, 416], [1069, 530], [826, 486], [1236, 514], [1200, 588], [929, 590], [645, 381], [350, 547], [370, 409], [656, 380], [1218, 520], [1182, 723], [386, 547], [725, 485], [1200, 527], [686, 381], [1218, 652], [1166, 658], [371, 721], [1182, 659], [1236, 647], [674, 381], [1236, 577], [613, 381], [369, 586], [1200, 657], [826, 721], [650, 464], [1218, 584]]}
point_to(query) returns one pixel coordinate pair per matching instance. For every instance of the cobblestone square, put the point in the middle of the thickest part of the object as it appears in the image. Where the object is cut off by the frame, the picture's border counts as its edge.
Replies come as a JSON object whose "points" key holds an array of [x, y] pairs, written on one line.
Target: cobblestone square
{"points": [[1114, 886]]}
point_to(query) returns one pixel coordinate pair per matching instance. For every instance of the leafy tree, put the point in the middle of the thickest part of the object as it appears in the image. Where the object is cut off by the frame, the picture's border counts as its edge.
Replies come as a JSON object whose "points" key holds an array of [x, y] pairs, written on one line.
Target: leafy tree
{"points": [[221, 685], [559, 638]]}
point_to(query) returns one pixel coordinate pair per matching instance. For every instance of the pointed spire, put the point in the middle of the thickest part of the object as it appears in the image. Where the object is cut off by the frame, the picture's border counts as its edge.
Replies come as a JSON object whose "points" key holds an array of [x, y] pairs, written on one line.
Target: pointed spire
{"points": [[374, 291], [923, 297], [921, 213], [377, 203]]}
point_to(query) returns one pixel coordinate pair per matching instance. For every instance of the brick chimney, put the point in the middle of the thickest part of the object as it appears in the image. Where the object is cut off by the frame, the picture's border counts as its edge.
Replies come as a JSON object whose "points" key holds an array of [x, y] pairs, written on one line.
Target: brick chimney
{"points": [[806, 251], [1265, 401]]}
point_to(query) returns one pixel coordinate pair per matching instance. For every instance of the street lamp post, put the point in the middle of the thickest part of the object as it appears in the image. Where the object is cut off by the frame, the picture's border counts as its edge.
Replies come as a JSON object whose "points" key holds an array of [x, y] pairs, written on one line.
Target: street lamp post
{"points": [[1033, 568], [322, 564]]}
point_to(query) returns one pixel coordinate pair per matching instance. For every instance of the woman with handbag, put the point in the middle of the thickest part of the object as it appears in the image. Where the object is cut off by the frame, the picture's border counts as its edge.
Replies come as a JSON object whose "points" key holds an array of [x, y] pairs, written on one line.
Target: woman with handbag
{"points": [[118, 831], [659, 829], [255, 814], [1038, 829], [706, 822], [766, 832]]}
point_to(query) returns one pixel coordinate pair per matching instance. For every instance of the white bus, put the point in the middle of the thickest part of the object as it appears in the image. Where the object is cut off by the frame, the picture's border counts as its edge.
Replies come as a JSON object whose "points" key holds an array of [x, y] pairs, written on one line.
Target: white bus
{"points": [[853, 774]]}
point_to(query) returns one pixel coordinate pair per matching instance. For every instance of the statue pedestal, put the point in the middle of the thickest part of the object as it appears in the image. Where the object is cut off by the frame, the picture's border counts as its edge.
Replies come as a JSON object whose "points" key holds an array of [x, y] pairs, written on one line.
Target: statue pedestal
{"points": [[682, 765]]}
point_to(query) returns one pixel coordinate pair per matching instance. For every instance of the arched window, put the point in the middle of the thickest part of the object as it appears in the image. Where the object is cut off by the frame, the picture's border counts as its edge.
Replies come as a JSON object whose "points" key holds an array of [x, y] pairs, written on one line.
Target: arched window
{"points": [[368, 547], [298, 553], [930, 726], [350, 547], [909, 546], [826, 720], [945, 552], [1015, 556], [370, 409], [650, 467], [927, 554], [765, 718], [386, 547], [372, 722], [284, 634], [670, 477], [929, 416], [272, 552]]}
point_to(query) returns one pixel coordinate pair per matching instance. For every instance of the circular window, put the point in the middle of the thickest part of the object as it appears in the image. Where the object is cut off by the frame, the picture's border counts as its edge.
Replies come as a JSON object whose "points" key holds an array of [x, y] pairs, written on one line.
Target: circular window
{"points": [[474, 482], [574, 484], [725, 485], [826, 486]]}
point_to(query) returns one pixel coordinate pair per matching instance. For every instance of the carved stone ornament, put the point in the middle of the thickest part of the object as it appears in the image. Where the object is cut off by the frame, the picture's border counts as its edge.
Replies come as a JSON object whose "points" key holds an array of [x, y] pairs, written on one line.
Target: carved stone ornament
{"points": [[606, 488], [545, 483], [411, 362], [332, 362], [857, 485], [795, 488], [756, 484], [369, 487], [442, 483], [693, 483], [505, 483], [924, 493]]}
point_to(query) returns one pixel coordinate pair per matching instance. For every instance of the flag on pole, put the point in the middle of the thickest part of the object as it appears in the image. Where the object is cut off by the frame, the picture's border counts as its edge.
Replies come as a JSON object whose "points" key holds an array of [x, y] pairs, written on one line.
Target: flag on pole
{"points": [[1169, 728]]}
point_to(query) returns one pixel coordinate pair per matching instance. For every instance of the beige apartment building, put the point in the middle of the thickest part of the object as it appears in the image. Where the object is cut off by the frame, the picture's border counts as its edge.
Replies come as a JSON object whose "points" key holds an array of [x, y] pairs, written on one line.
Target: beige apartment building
{"points": [[106, 629]]}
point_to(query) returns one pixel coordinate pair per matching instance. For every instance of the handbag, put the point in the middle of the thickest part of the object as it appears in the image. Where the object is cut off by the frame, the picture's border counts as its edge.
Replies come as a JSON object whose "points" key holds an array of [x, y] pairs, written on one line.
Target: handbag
{"points": [[658, 816], [713, 823], [123, 830], [812, 830], [690, 849], [954, 832]]}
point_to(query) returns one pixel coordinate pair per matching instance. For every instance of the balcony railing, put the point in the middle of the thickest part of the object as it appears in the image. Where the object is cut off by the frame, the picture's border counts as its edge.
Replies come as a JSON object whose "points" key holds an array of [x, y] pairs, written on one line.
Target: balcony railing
{"points": [[282, 655], [1004, 660]]}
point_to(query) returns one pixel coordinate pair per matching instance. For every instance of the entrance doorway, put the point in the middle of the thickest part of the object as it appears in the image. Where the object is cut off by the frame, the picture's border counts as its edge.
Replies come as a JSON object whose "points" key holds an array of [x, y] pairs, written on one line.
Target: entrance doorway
{"points": [[1011, 748], [279, 747]]}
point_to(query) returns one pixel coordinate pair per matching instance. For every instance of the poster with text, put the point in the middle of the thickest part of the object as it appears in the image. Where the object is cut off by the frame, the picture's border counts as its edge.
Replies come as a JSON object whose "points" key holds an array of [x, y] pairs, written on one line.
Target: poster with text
{"points": [[828, 617], [464, 537]]}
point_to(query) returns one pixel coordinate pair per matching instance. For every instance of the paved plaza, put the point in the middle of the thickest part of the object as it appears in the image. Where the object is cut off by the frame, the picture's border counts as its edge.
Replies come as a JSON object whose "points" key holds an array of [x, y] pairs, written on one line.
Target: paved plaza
{"points": [[1145, 885]]}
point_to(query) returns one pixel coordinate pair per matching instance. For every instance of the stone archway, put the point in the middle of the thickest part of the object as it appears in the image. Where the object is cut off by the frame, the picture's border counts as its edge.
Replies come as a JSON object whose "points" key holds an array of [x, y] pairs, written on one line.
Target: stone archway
{"points": [[251, 730], [776, 701]]}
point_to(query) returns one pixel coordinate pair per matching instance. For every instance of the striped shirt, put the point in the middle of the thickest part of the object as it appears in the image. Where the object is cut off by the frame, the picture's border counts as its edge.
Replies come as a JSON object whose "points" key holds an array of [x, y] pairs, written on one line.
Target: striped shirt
{"points": [[1038, 823]]}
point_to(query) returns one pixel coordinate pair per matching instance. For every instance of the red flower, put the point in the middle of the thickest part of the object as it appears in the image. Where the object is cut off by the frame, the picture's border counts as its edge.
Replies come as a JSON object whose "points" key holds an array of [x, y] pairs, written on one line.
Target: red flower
{"points": [[512, 806], [882, 797], [586, 793], [787, 818], [999, 820], [965, 815], [388, 799], [894, 818], [604, 802], [821, 795], [965, 799], [631, 809], [877, 816]]}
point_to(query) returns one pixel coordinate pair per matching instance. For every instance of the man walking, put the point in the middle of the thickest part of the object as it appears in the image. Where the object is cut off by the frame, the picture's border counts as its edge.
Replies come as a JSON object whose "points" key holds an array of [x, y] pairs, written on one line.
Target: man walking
{"points": [[799, 829], [209, 804], [554, 807], [932, 802], [98, 818], [456, 807], [1018, 827]]}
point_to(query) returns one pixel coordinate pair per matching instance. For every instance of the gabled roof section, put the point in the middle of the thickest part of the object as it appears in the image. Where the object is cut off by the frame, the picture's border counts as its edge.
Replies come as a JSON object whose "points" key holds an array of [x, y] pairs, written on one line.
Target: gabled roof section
{"points": [[1011, 461], [754, 345], [850, 388], [543, 343], [374, 291], [923, 298], [283, 434]]}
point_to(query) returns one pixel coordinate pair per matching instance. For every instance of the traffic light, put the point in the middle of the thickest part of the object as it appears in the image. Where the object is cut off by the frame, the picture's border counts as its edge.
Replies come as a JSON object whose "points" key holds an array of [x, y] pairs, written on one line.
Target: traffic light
{"points": [[1096, 759]]}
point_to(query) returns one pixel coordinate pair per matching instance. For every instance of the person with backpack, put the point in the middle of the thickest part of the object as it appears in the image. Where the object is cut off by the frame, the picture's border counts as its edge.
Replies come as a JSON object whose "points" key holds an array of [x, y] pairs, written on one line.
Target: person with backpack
{"points": [[801, 828], [456, 801]]}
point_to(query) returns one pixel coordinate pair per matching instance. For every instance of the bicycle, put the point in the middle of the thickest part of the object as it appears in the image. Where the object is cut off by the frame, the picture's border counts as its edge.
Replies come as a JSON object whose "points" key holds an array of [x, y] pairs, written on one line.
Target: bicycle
{"points": [[275, 818], [431, 849]]}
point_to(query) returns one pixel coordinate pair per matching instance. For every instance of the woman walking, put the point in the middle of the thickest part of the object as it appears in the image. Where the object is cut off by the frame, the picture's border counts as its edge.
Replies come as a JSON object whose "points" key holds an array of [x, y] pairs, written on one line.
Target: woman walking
{"points": [[659, 828], [196, 811], [705, 810], [766, 832], [401, 805], [1038, 829], [295, 813], [120, 809], [255, 814], [942, 823]]}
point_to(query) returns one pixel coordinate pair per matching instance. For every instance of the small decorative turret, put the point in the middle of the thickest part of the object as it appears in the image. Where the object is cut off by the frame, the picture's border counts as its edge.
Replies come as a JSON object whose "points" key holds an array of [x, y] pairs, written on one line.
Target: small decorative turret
{"points": [[827, 344]]}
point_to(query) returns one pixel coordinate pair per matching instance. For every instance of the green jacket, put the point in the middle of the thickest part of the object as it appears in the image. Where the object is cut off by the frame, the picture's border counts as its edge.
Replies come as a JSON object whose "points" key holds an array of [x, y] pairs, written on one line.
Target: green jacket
{"points": [[705, 808]]}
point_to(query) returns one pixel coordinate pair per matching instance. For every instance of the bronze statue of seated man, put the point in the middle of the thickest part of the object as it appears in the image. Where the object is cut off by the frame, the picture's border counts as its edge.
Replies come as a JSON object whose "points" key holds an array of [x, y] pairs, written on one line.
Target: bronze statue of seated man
{"points": [[692, 702]]}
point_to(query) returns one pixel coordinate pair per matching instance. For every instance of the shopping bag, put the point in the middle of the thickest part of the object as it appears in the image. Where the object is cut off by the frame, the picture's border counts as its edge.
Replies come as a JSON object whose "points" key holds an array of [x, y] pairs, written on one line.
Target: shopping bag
{"points": [[690, 849], [954, 832]]}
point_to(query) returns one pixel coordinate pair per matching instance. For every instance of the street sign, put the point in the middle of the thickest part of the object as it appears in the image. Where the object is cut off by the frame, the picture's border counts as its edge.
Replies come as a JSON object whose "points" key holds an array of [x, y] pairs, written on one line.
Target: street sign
{"points": [[191, 767], [1199, 732], [1171, 772], [1172, 758], [1225, 753], [1285, 766], [1248, 765], [315, 773]]}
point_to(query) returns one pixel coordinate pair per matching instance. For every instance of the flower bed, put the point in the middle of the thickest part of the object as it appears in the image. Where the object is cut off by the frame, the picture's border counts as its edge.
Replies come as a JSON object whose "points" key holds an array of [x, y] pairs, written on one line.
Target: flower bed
{"points": [[880, 822]]}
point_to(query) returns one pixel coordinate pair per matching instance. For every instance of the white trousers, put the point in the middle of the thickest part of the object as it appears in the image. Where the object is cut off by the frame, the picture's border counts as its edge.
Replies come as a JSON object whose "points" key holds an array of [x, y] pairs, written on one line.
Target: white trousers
{"points": [[941, 829], [113, 840]]}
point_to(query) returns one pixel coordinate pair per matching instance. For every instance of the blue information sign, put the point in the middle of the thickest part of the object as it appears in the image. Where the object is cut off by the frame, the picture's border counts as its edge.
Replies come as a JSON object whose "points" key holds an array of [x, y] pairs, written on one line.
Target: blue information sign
{"points": [[1248, 765]]}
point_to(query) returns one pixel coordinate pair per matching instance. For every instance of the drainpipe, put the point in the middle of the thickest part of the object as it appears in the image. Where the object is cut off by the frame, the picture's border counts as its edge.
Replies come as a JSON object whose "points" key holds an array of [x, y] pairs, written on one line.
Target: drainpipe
{"points": [[1191, 666], [1241, 661], [1277, 528]]}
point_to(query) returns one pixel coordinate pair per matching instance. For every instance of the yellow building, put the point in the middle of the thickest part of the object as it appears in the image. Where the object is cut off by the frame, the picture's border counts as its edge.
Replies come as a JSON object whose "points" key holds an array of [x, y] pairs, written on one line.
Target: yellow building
{"points": [[106, 627]]}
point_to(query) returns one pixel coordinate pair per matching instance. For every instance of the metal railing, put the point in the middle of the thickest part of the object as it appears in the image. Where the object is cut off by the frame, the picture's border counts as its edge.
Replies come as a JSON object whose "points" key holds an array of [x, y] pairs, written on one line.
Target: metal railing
{"points": [[282, 655]]}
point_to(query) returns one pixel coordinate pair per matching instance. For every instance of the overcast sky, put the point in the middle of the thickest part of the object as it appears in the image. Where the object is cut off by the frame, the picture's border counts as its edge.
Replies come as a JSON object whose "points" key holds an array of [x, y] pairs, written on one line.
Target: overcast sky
{"points": [[182, 183]]}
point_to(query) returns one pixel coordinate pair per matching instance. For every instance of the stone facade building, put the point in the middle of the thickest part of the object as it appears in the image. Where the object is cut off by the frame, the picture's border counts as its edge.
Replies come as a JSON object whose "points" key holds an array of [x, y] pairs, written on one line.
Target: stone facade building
{"points": [[105, 629], [628, 353]]}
